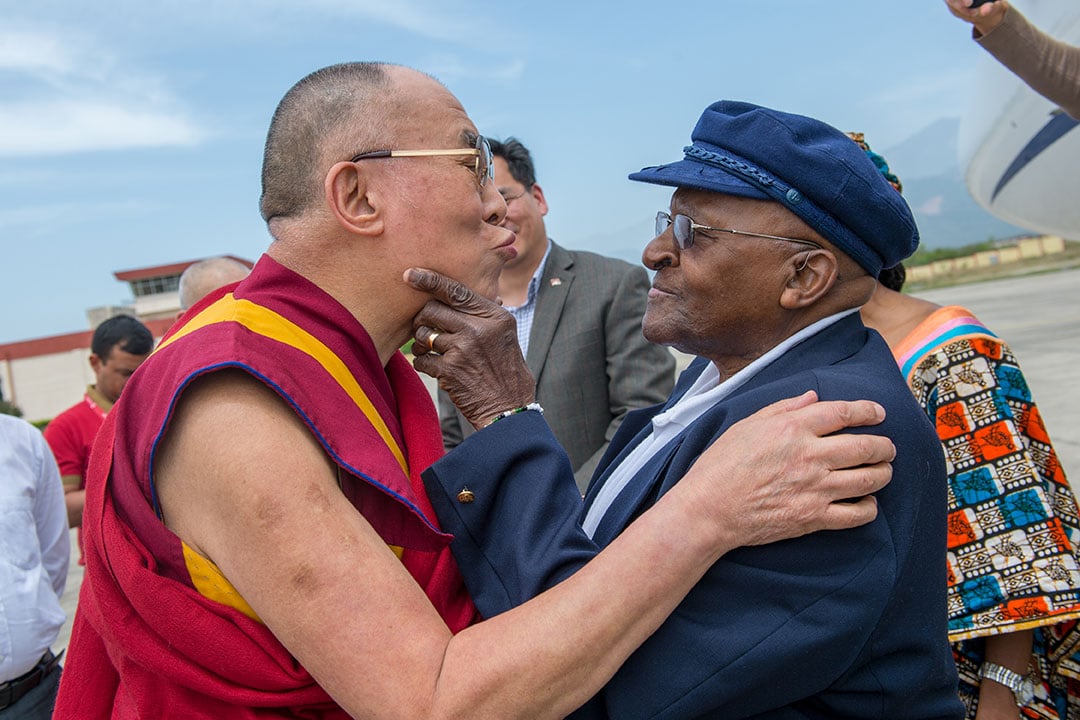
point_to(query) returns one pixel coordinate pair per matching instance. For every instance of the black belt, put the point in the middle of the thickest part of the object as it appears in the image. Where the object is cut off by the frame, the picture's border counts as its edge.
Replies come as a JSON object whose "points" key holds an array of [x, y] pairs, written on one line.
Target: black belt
{"points": [[11, 692]]}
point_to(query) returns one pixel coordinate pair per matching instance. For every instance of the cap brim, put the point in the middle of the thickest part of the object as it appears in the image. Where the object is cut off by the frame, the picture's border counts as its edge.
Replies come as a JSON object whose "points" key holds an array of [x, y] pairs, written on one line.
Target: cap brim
{"points": [[699, 176]]}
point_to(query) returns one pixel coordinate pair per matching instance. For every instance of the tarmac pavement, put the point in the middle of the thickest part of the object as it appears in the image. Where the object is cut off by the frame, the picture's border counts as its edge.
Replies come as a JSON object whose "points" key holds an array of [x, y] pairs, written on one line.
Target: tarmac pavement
{"points": [[1038, 315]]}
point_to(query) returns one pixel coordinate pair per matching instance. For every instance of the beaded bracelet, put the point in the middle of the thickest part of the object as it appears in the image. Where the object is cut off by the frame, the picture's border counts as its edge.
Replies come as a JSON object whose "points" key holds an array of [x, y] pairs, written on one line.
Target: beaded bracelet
{"points": [[534, 406]]}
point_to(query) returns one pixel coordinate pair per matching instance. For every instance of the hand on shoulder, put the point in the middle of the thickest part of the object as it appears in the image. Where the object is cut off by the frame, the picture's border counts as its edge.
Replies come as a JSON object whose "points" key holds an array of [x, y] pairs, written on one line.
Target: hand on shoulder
{"points": [[784, 472]]}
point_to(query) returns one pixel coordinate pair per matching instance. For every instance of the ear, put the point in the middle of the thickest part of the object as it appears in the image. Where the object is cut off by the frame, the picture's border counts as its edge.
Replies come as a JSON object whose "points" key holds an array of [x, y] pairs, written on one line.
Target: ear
{"points": [[811, 274], [538, 195], [95, 362], [350, 196]]}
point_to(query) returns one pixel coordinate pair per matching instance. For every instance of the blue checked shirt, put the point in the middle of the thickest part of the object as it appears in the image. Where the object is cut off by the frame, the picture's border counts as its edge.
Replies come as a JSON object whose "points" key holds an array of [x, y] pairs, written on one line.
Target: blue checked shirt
{"points": [[524, 313]]}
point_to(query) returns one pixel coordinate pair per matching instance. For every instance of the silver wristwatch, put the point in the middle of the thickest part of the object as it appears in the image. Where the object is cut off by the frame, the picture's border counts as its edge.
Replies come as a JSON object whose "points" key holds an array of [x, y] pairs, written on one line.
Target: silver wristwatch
{"points": [[1022, 687]]}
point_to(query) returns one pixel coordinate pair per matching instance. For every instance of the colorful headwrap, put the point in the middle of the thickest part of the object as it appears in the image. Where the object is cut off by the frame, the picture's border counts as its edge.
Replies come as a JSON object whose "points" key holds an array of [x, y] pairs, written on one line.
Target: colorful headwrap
{"points": [[891, 277], [878, 161]]}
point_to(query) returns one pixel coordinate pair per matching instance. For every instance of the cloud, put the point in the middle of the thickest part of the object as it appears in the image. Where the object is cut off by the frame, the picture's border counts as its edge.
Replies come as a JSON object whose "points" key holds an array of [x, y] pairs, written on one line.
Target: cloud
{"points": [[34, 53], [450, 68], [438, 21], [934, 206], [65, 94], [938, 87], [29, 221], [901, 107], [470, 24], [510, 72], [59, 126]]}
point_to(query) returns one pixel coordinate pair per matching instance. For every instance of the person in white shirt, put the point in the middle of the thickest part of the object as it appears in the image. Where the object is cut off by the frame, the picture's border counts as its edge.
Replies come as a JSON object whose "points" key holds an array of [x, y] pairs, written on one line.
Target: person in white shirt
{"points": [[34, 553]]}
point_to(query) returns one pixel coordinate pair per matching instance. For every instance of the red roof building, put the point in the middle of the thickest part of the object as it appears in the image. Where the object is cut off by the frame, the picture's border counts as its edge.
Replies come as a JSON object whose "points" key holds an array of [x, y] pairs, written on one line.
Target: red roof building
{"points": [[46, 375]]}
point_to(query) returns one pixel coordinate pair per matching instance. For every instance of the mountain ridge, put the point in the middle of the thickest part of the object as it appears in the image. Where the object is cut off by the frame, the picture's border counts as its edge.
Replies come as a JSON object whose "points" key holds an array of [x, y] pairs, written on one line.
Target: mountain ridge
{"points": [[927, 164]]}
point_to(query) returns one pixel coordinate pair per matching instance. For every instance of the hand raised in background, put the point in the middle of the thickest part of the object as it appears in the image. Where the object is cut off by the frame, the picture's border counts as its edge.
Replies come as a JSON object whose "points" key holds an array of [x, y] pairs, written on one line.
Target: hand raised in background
{"points": [[985, 17]]}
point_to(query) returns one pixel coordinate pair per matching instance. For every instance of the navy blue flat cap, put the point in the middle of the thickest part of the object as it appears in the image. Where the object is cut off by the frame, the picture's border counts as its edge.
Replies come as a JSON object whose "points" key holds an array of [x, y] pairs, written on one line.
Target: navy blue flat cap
{"points": [[809, 167]]}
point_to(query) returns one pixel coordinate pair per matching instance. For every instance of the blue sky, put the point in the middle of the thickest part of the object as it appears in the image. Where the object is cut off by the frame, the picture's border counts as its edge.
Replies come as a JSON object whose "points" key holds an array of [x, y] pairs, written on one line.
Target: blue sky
{"points": [[131, 132]]}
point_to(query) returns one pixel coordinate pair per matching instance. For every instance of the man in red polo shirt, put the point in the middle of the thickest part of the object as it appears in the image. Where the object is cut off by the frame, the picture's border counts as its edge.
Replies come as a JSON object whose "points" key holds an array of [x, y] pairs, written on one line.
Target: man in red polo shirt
{"points": [[119, 346]]}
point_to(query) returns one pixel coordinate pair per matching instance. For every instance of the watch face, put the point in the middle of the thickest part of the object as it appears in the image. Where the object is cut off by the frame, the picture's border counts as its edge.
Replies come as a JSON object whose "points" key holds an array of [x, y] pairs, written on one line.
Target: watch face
{"points": [[1026, 693]]}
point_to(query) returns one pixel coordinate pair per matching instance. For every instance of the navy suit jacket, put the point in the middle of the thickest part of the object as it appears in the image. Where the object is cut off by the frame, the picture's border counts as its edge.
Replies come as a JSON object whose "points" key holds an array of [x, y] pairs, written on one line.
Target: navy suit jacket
{"points": [[840, 624]]}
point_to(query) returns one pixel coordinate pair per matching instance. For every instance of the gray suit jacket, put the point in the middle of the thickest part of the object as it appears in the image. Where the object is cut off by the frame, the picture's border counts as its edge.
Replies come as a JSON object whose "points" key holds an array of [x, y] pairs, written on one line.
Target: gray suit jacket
{"points": [[591, 363]]}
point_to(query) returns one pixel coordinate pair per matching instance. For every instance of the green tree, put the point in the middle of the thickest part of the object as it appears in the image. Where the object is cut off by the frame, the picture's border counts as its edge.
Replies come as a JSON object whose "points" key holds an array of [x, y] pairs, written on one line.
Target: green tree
{"points": [[8, 408], [925, 256]]}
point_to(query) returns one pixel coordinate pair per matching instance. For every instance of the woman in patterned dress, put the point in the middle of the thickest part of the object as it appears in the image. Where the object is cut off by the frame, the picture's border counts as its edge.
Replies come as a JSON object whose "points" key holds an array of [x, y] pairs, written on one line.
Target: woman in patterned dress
{"points": [[1014, 530]]}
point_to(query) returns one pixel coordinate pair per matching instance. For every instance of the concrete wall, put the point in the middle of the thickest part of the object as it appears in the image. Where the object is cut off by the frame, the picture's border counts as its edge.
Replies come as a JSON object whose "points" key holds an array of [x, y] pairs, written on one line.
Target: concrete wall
{"points": [[159, 305], [1024, 249], [45, 385]]}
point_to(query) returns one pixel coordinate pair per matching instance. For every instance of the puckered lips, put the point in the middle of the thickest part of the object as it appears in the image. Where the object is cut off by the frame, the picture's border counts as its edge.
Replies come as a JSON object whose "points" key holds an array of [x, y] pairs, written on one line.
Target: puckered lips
{"points": [[507, 249]]}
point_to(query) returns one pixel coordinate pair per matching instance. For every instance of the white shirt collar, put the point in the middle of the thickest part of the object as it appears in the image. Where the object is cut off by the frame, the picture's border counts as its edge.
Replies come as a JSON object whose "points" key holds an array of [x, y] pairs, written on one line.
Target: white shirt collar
{"points": [[706, 392]]}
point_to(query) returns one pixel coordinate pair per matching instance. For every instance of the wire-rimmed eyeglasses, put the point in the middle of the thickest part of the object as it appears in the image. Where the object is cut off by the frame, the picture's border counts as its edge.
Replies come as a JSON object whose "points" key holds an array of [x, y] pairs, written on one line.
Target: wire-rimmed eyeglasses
{"points": [[509, 198], [484, 168], [683, 228]]}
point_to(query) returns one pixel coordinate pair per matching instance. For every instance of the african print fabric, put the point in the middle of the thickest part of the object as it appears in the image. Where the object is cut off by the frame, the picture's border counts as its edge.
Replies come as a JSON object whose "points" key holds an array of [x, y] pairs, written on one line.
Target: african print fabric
{"points": [[1013, 519]]}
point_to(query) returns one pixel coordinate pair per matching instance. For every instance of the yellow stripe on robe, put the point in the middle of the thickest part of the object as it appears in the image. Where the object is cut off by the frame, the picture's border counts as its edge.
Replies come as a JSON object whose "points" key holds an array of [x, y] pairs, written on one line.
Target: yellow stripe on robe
{"points": [[206, 577], [269, 324], [211, 582]]}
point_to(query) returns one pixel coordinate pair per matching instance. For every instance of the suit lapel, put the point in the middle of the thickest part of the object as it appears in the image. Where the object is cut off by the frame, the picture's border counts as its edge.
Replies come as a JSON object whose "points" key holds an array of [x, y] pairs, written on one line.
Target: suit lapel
{"points": [[638, 496], [828, 347], [551, 297], [641, 491]]}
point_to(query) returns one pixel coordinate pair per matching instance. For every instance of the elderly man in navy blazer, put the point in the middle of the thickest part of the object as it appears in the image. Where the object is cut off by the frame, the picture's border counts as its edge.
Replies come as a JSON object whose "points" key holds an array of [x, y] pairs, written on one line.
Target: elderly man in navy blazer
{"points": [[775, 234]]}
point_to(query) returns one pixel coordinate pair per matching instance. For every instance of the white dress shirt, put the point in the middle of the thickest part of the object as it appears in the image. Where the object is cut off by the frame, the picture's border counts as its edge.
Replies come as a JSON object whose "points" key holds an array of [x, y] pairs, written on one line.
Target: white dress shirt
{"points": [[706, 392], [34, 547]]}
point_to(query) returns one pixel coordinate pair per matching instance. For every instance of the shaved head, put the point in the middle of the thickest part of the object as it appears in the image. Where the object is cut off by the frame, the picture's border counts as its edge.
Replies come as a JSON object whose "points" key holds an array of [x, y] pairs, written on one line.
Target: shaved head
{"points": [[327, 117], [208, 275]]}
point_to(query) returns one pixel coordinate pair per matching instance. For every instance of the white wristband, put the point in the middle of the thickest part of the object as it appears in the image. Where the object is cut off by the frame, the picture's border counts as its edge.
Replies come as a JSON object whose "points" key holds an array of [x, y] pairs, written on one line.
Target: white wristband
{"points": [[533, 406]]}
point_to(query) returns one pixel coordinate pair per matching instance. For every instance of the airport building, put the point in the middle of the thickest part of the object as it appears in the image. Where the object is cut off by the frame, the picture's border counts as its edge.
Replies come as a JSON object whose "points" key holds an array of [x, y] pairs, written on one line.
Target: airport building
{"points": [[44, 376]]}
